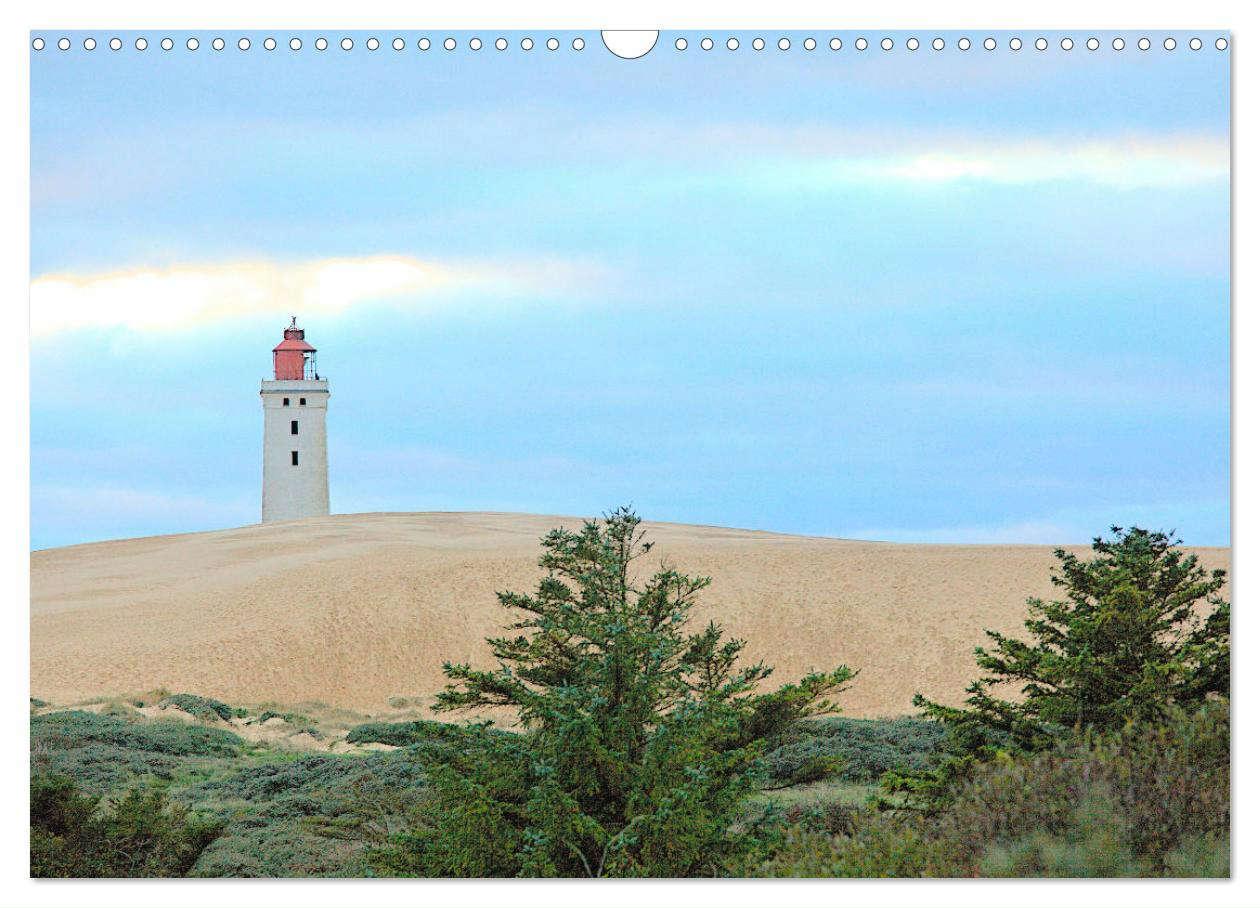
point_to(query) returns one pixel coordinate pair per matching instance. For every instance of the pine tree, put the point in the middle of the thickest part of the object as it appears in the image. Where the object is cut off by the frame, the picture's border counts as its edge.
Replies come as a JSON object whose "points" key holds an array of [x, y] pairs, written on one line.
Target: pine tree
{"points": [[640, 739], [1141, 627]]}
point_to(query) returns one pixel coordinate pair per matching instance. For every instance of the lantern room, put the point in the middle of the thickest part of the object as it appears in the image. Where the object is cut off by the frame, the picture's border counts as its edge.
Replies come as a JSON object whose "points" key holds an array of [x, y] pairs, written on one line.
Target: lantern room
{"points": [[293, 358]]}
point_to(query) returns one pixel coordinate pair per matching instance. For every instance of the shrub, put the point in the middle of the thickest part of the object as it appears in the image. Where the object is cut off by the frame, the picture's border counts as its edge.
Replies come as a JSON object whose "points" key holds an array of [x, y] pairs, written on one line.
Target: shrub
{"points": [[852, 750], [298, 724], [140, 835], [309, 774], [1093, 843], [119, 709], [310, 816], [1165, 781], [285, 816], [879, 845], [470, 820], [1148, 800], [439, 735], [150, 698], [74, 728], [1199, 856], [203, 708], [832, 816], [401, 734], [105, 753], [271, 850]]}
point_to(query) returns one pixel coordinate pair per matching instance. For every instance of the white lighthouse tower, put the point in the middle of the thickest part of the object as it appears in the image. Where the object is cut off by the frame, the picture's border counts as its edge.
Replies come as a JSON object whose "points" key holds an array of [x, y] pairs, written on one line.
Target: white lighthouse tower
{"points": [[295, 443]]}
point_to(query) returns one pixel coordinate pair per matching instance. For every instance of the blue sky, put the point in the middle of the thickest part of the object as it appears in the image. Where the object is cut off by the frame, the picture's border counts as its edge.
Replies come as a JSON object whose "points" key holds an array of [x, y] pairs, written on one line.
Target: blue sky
{"points": [[907, 295]]}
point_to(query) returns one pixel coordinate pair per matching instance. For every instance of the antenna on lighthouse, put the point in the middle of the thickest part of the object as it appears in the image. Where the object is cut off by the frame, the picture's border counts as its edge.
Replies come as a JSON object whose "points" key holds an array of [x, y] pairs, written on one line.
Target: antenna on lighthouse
{"points": [[292, 321]]}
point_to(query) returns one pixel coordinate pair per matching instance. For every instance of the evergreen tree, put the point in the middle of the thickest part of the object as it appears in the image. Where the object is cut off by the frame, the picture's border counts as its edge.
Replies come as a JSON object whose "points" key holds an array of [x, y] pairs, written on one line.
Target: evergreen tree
{"points": [[1141, 626], [640, 740]]}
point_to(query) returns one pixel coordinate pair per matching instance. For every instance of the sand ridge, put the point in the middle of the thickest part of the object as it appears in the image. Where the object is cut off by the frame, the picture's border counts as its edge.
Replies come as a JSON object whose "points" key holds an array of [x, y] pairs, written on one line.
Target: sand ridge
{"points": [[354, 609]]}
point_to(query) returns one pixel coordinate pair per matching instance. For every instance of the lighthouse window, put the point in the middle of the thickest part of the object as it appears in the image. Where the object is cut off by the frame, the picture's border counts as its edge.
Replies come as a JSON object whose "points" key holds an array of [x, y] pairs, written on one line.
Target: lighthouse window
{"points": [[286, 401], [301, 401], [293, 454], [293, 427]]}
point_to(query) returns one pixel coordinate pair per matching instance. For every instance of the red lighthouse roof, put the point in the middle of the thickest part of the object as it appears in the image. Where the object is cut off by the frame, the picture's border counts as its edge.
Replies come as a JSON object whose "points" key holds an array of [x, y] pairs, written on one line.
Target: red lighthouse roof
{"points": [[293, 343], [290, 356]]}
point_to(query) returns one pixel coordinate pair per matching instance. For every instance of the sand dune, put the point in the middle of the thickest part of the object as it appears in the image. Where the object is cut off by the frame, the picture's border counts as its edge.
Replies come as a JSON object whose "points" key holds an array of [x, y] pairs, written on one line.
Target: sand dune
{"points": [[354, 609]]}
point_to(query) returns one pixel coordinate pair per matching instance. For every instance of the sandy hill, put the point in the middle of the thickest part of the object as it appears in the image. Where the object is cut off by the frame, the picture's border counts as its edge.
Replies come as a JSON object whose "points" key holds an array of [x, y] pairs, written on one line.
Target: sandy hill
{"points": [[354, 609]]}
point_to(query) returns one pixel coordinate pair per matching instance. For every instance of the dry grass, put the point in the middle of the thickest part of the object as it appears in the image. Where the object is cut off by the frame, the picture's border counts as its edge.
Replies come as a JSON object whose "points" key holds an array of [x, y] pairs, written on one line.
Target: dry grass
{"points": [[352, 610]]}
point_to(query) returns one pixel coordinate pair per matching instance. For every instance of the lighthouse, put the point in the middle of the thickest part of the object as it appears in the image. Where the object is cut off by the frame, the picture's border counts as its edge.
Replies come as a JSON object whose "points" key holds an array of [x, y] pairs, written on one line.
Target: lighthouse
{"points": [[295, 442]]}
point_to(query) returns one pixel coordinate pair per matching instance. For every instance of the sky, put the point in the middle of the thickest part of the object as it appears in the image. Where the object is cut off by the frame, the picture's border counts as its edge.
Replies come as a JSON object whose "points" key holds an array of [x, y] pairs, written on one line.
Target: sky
{"points": [[918, 296]]}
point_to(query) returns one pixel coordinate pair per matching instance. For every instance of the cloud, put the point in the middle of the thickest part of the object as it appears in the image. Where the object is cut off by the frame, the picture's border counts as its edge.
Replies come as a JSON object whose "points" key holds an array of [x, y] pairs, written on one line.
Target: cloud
{"points": [[1113, 162], [183, 296]]}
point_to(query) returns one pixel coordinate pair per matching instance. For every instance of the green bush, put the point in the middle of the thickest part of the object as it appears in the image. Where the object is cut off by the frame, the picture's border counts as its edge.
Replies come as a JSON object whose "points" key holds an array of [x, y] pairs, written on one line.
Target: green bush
{"points": [[1094, 842], [428, 739], [1199, 856], [402, 734], [77, 729], [283, 816], [104, 768], [469, 821], [310, 774], [1148, 800], [852, 750], [277, 850], [1165, 781], [310, 816], [875, 845], [119, 710], [105, 753], [203, 708], [304, 722], [139, 835]]}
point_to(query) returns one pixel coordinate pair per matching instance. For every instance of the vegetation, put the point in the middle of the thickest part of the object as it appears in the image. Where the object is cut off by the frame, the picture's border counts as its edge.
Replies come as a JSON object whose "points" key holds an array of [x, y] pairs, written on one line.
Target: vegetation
{"points": [[277, 809], [851, 750], [422, 731], [138, 835], [1142, 627], [74, 728], [641, 740], [307, 815], [288, 814], [200, 707], [645, 748], [1151, 799], [103, 753]]}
